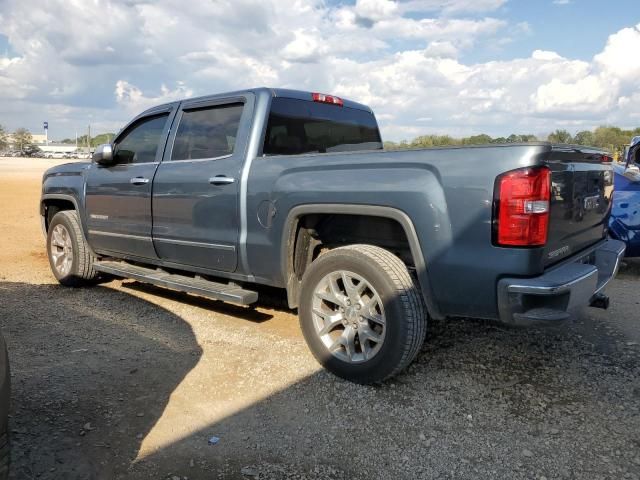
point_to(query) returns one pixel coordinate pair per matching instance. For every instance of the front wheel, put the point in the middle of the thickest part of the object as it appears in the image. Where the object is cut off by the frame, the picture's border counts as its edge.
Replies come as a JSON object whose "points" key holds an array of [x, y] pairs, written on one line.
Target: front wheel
{"points": [[70, 257], [361, 314]]}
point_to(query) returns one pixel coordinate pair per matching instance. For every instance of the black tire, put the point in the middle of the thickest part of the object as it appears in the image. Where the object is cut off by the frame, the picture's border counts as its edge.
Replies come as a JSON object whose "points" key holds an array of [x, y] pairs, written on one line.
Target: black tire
{"points": [[81, 271], [406, 318]]}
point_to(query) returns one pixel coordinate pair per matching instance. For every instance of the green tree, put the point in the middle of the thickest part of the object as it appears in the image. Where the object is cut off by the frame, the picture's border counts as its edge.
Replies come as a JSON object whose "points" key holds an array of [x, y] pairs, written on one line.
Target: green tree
{"points": [[95, 141], [560, 136], [32, 150], [427, 141], [22, 139], [481, 139], [585, 137], [611, 138], [4, 140], [102, 138], [529, 138]]}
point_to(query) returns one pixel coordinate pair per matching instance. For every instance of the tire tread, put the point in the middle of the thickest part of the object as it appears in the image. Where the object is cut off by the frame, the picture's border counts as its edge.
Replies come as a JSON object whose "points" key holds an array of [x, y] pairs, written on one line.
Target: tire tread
{"points": [[416, 317], [85, 273]]}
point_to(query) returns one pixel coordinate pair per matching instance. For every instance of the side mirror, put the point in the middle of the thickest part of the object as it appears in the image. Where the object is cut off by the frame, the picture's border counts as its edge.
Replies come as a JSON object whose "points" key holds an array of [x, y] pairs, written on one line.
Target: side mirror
{"points": [[103, 154], [632, 154]]}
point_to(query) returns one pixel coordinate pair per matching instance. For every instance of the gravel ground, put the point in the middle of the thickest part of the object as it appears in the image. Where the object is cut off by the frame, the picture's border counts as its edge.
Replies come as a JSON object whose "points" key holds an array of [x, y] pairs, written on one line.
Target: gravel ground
{"points": [[125, 380]]}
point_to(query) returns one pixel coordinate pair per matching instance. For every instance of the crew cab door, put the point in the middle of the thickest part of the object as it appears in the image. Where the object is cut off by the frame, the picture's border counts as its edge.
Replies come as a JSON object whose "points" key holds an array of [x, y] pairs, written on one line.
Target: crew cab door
{"points": [[196, 189], [118, 196]]}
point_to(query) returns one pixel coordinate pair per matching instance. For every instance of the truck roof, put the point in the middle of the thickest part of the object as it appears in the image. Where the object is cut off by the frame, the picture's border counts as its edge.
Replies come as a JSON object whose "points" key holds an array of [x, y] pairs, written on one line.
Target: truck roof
{"points": [[274, 92]]}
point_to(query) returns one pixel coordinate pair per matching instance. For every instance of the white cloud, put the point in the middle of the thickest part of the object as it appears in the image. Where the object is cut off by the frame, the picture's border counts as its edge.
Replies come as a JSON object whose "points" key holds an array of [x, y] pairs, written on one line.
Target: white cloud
{"points": [[442, 49], [620, 55], [375, 10], [588, 94], [134, 100], [76, 62], [545, 55]]}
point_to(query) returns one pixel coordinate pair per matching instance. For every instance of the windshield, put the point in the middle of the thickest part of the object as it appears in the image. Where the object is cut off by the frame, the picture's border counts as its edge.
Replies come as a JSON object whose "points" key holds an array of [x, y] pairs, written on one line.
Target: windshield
{"points": [[301, 126]]}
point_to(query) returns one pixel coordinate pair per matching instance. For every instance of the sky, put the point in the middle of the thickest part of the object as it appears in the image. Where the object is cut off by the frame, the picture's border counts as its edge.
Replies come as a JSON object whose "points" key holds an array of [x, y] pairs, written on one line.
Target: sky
{"points": [[457, 67]]}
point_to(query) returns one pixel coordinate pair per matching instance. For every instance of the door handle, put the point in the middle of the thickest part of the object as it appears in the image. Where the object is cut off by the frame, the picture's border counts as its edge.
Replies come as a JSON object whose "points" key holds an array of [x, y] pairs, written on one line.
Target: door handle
{"points": [[139, 181], [221, 180]]}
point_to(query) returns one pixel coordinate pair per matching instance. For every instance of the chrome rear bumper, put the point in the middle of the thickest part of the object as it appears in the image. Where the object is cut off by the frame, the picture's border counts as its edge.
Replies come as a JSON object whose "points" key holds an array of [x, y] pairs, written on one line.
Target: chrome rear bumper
{"points": [[561, 289]]}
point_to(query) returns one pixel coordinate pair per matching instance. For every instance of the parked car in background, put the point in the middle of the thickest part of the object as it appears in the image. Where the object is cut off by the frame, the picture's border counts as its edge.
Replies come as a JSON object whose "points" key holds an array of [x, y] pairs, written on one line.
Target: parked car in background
{"points": [[32, 151], [56, 155], [624, 223]]}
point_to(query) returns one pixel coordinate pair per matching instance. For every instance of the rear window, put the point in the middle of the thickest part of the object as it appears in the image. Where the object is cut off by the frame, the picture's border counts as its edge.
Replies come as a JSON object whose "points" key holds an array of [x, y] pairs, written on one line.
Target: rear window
{"points": [[300, 126]]}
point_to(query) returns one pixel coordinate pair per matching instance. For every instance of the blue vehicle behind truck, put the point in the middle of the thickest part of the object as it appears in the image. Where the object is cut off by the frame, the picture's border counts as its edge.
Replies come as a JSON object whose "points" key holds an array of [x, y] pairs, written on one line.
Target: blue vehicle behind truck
{"points": [[218, 195], [624, 224]]}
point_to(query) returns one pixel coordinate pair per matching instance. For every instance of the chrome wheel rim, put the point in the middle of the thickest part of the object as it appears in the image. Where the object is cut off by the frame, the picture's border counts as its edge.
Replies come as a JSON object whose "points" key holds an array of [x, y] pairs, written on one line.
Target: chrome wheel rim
{"points": [[348, 316], [61, 250]]}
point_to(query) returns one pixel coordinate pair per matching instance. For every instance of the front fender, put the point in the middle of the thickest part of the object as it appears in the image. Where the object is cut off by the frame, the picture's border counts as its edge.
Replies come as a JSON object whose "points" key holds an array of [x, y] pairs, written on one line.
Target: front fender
{"points": [[65, 183]]}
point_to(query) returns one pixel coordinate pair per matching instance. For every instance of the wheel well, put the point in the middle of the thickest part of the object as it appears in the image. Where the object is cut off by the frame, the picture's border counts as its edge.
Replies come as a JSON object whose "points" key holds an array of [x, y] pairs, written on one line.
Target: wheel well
{"points": [[314, 234], [52, 206]]}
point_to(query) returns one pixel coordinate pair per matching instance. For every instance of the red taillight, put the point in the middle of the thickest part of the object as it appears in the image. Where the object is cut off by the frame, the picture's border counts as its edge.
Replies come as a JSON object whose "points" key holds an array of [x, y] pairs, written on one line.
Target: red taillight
{"points": [[521, 207], [322, 98], [606, 159]]}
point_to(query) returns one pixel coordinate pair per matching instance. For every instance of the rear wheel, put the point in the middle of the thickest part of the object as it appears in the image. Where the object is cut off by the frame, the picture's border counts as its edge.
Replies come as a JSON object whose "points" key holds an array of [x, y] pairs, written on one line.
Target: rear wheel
{"points": [[361, 313], [70, 258]]}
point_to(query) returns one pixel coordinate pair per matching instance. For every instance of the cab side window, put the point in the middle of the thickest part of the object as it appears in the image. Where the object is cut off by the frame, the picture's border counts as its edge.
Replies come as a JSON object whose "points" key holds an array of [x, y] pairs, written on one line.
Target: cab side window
{"points": [[140, 144], [208, 132]]}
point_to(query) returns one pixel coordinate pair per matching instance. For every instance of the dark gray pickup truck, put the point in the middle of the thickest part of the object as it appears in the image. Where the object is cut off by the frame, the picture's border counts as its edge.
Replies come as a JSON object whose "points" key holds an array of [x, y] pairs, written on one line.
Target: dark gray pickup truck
{"points": [[217, 195]]}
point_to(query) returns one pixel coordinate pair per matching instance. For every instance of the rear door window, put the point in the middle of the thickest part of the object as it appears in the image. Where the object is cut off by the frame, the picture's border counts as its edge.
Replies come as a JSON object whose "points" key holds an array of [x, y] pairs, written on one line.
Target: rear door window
{"points": [[301, 126], [208, 132]]}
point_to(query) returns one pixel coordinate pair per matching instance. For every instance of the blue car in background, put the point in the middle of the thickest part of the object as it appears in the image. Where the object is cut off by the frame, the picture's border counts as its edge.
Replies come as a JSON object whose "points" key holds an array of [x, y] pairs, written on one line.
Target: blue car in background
{"points": [[624, 223]]}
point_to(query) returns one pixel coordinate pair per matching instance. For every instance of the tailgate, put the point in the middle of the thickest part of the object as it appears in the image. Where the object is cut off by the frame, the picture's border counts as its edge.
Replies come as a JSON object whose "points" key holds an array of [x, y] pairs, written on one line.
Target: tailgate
{"points": [[581, 191]]}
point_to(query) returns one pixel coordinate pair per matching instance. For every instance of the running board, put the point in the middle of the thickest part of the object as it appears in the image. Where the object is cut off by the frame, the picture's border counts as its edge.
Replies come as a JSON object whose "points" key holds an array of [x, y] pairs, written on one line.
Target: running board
{"points": [[182, 283]]}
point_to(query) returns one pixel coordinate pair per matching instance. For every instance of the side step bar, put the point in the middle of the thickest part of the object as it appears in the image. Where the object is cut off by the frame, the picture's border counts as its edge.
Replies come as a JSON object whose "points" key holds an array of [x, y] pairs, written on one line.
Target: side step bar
{"points": [[182, 283]]}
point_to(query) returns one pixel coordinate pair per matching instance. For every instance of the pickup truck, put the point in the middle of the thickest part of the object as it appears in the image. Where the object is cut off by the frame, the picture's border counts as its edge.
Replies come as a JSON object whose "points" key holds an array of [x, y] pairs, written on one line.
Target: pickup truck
{"points": [[223, 195]]}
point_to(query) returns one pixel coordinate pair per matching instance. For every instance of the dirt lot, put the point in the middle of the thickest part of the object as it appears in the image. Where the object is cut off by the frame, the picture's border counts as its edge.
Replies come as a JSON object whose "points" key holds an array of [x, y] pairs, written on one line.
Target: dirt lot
{"points": [[129, 381]]}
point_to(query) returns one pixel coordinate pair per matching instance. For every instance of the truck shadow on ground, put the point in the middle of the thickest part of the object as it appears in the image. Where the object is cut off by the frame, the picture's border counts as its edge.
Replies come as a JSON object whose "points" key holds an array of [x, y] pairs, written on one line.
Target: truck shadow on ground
{"points": [[92, 371], [480, 401]]}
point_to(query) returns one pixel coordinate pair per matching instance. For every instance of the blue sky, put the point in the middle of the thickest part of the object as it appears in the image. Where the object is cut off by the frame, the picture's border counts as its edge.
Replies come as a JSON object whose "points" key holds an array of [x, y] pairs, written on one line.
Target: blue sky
{"points": [[459, 67], [577, 29]]}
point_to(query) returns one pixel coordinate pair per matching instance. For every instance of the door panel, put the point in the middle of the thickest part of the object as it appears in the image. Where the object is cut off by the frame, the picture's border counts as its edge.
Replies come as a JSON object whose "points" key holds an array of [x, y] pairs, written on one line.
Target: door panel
{"points": [[118, 212], [195, 191], [118, 197], [195, 222]]}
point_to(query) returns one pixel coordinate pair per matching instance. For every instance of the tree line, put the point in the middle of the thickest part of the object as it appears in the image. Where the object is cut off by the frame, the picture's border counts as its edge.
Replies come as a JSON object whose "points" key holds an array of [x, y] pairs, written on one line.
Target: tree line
{"points": [[93, 141], [608, 138]]}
